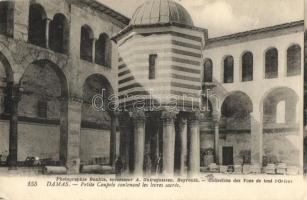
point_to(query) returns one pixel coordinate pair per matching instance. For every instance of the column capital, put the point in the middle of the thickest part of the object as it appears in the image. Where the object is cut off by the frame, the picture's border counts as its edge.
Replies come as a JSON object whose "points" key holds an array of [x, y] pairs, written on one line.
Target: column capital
{"points": [[168, 116], [216, 116], [75, 99], [195, 117], [138, 116]]}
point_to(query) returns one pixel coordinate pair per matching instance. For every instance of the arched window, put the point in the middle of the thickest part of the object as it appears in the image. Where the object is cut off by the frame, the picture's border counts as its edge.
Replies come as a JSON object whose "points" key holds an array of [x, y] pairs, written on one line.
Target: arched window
{"points": [[294, 60], [59, 34], [247, 66], [86, 43], [208, 71], [228, 69], [271, 63], [6, 18], [103, 48], [37, 25]]}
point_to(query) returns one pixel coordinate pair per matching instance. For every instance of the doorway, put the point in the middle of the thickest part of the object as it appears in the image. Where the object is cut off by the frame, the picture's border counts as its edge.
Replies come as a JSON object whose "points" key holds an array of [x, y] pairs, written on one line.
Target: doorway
{"points": [[227, 155]]}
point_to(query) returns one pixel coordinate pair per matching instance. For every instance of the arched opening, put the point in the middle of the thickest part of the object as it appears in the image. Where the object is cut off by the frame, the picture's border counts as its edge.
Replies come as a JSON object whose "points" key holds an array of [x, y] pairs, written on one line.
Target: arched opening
{"points": [[59, 34], [228, 69], [103, 50], [42, 112], [208, 67], [6, 18], [86, 43], [281, 138], [5, 78], [294, 60], [37, 25], [235, 129], [271, 63], [247, 66], [96, 121]]}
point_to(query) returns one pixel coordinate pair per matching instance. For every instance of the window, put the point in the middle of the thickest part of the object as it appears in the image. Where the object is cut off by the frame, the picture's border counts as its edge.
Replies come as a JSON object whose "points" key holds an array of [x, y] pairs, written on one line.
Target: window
{"points": [[271, 63], [208, 71], [42, 109], [59, 35], [86, 43], [228, 69], [152, 66], [6, 18], [294, 60], [247, 66], [103, 47], [37, 25]]}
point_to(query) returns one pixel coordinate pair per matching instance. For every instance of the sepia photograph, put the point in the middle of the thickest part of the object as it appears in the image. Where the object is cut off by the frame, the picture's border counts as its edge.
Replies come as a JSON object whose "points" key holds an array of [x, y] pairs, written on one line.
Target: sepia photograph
{"points": [[166, 96]]}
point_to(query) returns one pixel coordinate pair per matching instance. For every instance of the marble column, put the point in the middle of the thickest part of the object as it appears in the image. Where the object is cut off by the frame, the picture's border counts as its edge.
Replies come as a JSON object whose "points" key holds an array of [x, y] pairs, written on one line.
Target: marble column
{"points": [[47, 34], [139, 141], [94, 49], [168, 119], [216, 123], [113, 138], [182, 131], [14, 96], [125, 136], [194, 143], [70, 134]]}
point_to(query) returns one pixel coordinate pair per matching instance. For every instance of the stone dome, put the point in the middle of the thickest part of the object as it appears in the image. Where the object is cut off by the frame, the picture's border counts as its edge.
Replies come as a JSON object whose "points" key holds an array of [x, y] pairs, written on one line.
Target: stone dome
{"points": [[161, 11]]}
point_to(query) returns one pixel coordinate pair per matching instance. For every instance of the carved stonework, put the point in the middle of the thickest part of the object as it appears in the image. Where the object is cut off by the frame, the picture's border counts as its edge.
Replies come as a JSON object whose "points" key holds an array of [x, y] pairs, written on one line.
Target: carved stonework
{"points": [[75, 99], [168, 117], [195, 117], [216, 116], [138, 116]]}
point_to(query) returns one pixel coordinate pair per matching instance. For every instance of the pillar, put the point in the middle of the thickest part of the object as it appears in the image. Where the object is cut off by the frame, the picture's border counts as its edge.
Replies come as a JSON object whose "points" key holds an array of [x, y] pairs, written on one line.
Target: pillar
{"points": [[93, 49], [182, 131], [168, 142], [47, 32], [194, 143], [216, 121], [139, 141], [14, 98], [124, 148], [113, 138], [256, 138], [70, 134]]}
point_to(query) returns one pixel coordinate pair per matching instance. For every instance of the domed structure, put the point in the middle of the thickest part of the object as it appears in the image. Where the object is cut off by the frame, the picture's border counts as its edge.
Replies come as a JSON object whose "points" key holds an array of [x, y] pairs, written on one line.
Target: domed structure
{"points": [[161, 11]]}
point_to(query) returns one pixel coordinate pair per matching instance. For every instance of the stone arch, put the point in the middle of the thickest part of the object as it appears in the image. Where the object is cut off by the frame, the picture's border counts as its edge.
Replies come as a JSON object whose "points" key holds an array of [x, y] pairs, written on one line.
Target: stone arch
{"points": [[35, 56], [37, 25], [235, 126], [103, 52], [44, 100], [236, 109], [280, 137], [6, 77], [270, 101], [59, 34], [95, 120], [86, 43]]}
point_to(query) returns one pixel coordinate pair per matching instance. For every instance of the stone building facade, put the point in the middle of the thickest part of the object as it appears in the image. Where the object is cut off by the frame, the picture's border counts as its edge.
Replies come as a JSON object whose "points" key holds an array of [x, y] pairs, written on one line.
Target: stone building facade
{"points": [[185, 100]]}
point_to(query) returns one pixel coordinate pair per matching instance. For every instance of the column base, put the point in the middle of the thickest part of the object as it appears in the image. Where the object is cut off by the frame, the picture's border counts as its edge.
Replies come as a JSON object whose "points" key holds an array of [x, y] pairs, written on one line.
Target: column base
{"points": [[73, 166]]}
